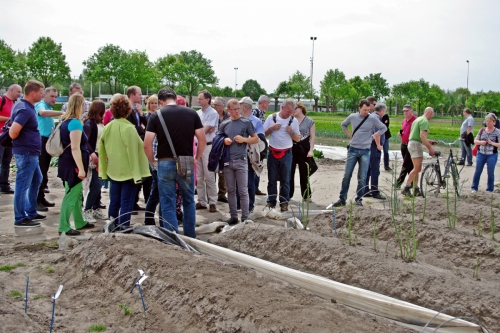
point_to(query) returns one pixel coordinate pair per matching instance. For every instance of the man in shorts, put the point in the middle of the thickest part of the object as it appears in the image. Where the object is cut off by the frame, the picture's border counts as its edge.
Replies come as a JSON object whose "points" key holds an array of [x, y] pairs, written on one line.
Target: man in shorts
{"points": [[418, 138]]}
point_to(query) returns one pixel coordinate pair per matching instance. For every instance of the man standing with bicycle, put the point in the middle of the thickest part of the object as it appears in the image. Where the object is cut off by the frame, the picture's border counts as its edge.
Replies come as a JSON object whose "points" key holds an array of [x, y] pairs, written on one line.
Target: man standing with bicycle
{"points": [[418, 138]]}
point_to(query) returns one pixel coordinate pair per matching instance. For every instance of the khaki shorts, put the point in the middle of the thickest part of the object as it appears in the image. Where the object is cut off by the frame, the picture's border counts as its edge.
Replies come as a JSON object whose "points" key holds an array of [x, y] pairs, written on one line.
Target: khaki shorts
{"points": [[415, 149]]}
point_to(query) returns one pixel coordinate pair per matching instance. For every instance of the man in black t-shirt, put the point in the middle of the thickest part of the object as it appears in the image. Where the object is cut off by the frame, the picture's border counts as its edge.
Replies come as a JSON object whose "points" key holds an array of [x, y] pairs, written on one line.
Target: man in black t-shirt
{"points": [[183, 124]]}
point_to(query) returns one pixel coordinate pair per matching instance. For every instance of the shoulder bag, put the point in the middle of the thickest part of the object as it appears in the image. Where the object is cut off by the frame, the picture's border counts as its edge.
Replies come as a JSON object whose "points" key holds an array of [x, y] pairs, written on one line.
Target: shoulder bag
{"points": [[361, 123], [184, 164]]}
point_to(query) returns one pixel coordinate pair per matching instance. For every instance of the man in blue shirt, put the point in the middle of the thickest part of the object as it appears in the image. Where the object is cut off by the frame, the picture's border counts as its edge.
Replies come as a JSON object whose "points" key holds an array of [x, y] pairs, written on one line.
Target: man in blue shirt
{"points": [[26, 145], [44, 115]]}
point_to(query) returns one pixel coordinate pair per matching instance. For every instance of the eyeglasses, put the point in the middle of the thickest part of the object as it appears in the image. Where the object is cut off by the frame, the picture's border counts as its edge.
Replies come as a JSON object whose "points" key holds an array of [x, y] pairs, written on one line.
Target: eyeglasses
{"points": [[233, 109], [217, 104]]}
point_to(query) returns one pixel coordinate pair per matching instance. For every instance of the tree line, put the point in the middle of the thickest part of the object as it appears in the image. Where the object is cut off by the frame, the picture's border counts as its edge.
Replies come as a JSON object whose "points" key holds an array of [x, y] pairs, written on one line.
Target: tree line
{"points": [[189, 71]]}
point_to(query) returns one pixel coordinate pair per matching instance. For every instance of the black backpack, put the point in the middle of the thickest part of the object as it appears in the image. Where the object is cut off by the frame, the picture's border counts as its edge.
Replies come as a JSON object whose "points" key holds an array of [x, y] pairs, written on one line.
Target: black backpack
{"points": [[3, 102]]}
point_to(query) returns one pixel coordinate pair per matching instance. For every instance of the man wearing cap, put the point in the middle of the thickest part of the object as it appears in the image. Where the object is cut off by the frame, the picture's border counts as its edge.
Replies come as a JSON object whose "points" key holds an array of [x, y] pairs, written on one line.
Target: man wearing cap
{"points": [[466, 138], [240, 133], [260, 112], [404, 134], [282, 129], [206, 187], [246, 104]]}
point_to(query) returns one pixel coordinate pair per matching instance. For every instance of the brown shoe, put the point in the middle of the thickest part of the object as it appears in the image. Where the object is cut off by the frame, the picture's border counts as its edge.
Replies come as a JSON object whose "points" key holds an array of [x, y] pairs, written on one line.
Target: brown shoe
{"points": [[200, 206], [213, 208], [284, 207]]}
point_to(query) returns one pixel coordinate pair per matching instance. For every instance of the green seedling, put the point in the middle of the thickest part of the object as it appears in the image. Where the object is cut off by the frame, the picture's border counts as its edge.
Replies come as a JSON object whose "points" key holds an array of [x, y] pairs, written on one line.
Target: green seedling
{"points": [[8, 268], [49, 269], [476, 270], [492, 219], [15, 293], [48, 244], [480, 224], [97, 328], [126, 310], [37, 297], [375, 234], [349, 227]]}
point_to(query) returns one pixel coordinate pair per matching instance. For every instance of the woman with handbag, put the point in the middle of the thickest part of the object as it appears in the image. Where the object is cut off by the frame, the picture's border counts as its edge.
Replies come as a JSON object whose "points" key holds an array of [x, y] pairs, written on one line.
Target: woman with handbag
{"points": [[72, 166], [488, 140], [303, 152], [122, 160], [93, 128]]}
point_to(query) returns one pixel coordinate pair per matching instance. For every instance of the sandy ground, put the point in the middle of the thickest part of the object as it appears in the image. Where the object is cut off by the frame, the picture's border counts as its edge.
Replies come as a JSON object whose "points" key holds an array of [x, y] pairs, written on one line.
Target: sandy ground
{"points": [[186, 292]]}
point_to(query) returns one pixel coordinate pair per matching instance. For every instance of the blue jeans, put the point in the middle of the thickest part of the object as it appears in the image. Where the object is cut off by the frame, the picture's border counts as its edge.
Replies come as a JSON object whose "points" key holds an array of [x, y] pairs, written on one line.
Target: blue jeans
{"points": [[5, 158], [466, 152], [153, 200], [490, 161], [373, 171], [94, 195], [28, 180], [167, 176], [122, 200], [279, 170], [355, 155], [386, 153]]}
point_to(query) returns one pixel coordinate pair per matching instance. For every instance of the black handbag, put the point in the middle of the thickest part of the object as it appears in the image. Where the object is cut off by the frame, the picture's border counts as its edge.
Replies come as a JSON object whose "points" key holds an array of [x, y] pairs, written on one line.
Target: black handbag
{"points": [[5, 139], [313, 167]]}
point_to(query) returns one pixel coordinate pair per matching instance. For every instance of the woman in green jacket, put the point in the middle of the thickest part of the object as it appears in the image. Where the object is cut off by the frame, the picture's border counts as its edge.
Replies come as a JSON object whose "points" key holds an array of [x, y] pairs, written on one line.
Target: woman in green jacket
{"points": [[122, 160]]}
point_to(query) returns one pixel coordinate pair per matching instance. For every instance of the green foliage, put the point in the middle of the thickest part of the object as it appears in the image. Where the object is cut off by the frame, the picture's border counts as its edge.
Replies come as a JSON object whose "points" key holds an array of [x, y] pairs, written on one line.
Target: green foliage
{"points": [[8, 268], [126, 310], [97, 328], [297, 86], [46, 61], [49, 269], [37, 297], [335, 86], [318, 154], [252, 86], [137, 70], [379, 86], [7, 59], [15, 293], [358, 89], [106, 66]]}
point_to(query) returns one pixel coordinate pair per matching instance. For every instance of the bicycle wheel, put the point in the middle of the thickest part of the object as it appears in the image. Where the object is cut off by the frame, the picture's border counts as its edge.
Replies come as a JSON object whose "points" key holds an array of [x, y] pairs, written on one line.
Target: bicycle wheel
{"points": [[456, 177], [429, 182]]}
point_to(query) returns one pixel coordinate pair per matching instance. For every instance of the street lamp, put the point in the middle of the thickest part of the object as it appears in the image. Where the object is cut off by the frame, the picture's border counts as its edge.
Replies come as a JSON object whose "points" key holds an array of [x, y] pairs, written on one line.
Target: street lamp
{"points": [[235, 80], [312, 64], [467, 92]]}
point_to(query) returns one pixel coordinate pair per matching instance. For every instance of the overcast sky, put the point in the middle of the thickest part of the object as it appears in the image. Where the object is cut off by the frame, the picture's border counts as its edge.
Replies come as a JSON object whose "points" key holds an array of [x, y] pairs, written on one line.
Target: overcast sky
{"points": [[269, 40]]}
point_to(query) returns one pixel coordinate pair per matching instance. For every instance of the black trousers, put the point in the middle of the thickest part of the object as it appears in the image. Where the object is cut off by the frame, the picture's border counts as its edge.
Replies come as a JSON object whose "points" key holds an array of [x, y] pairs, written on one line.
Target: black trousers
{"points": [[407, 164], [44, 162]]}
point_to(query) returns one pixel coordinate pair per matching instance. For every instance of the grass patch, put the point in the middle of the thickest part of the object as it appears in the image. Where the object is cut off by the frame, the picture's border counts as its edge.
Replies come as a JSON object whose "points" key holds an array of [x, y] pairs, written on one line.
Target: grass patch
{"points": [[49, 269], [37, 297], [48, 244], [8, 268], [15, 293], [97, 328], [126, 310]]}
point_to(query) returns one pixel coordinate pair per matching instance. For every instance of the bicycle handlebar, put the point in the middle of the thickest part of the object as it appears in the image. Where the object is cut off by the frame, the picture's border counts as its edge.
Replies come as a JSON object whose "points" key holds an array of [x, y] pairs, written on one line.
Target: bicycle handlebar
{"points": [[449, 143]]}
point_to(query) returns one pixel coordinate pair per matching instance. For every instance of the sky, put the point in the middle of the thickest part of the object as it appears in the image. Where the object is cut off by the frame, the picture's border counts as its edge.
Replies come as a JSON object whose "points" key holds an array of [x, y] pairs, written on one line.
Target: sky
{"points": [[270, 40]]}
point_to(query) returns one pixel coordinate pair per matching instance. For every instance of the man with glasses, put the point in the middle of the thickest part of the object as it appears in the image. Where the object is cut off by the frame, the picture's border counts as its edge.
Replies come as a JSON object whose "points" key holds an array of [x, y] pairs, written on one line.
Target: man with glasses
{"points": [[404, 134], [76, 88], [206, 187], [219, 104]]}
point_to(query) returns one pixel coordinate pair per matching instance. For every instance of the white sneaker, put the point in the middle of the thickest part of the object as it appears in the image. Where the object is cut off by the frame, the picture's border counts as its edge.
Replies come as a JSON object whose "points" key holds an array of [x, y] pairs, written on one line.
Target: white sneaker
{"points": [[99, 215], [88, 215], [473, 191], [104, 190]]}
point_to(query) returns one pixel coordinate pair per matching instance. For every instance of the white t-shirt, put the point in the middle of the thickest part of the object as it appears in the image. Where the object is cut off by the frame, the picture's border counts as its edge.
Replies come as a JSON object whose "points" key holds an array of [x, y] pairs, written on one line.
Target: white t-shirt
{"points": [[280, 139]]}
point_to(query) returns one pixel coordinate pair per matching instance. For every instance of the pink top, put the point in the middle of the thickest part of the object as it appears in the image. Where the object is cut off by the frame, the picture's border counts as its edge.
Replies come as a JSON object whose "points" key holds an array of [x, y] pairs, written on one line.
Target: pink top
{"points": [[406, 126], [107, 117]]}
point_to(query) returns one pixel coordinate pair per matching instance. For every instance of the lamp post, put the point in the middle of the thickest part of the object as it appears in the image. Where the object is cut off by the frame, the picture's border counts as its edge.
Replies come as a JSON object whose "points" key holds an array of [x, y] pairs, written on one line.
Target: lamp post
{"points": [[467, 92], [312, 65], [235, 80]]}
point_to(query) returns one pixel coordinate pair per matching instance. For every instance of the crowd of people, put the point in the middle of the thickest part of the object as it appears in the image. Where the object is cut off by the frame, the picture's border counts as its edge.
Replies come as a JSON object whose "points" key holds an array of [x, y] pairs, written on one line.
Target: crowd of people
{"points": [[171, 153]]}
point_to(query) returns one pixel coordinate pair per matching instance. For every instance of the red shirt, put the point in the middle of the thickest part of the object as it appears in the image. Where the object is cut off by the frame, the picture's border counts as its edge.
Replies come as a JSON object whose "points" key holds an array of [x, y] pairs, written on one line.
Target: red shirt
{"points": [[406, 127], [6, 110]]}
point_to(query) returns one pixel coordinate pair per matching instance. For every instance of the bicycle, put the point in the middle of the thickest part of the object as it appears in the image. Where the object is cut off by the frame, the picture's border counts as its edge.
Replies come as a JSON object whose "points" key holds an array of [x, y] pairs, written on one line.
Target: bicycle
{"points": [[432, 180]]}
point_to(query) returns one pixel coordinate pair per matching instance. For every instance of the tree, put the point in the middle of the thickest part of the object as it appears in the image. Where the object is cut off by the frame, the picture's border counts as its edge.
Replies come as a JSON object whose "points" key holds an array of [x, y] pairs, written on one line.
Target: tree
{"points": [[379, 86], [252, 86], [335, 86], [46, 61], [7, 63], [191, 71], [358, 89], [299, 85], [21, 71], [106, 65], [283, 90], [164, 66], [137, 70]]}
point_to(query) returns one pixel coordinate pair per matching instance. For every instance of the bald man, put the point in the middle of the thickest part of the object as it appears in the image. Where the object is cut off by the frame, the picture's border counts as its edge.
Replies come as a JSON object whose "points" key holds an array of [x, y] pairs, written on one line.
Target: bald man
{"points": [[6, 103], [418, 138]]}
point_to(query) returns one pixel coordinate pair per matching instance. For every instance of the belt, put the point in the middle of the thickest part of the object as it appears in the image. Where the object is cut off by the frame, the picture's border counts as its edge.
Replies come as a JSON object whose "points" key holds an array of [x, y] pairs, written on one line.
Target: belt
{"points": [[404, 143], [239, 158], [166, 159], [208, 143]]}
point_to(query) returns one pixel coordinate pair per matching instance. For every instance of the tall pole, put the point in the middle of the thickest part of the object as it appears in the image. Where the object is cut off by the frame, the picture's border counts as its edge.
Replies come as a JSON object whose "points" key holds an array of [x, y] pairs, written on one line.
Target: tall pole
{"points": [[312, 65], [467, 92], [235, 80]]}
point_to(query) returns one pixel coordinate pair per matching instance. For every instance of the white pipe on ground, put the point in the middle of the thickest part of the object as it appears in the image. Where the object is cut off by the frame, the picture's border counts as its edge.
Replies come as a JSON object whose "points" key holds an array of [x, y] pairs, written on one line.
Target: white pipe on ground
{"points": [[358, 298]]}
